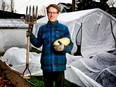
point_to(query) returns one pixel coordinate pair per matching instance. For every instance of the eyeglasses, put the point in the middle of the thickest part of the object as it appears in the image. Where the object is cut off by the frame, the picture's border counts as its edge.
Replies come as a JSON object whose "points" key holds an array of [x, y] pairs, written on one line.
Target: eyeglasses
{"points": [[52, 12]]}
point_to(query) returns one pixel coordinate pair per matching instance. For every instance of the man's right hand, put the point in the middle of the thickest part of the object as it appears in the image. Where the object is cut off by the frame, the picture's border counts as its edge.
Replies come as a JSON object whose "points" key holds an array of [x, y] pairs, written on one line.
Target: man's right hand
{"points": [[28, 33]]}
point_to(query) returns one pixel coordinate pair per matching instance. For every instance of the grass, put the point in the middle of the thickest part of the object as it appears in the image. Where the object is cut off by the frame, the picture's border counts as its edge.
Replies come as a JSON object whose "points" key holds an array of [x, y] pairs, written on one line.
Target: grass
{"points": [[38, 82]]}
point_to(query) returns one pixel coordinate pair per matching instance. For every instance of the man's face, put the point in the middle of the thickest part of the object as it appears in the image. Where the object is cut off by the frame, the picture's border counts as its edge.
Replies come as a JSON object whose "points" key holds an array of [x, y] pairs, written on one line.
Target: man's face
{"points": [[52, 14]]}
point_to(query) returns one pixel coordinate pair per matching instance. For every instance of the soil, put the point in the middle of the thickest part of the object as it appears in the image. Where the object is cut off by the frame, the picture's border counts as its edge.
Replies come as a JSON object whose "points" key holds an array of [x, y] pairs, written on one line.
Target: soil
{"points": [[11, 78]]}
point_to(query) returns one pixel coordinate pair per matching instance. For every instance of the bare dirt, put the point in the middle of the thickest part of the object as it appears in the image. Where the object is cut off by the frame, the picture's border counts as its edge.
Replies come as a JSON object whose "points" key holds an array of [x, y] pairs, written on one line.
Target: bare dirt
{"points": [[11, 78]]}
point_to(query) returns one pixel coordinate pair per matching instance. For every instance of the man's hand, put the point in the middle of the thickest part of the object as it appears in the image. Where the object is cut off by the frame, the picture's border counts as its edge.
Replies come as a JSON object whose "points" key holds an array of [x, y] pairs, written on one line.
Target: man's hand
{"points": [[28, 33], [59, 47]]}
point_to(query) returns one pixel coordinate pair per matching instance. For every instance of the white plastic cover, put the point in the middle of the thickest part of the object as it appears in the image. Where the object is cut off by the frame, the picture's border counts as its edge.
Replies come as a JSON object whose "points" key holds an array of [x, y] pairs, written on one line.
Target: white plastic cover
{"points": [[1, 42], [16, 58], [87, 72], [84, 72], [12, 38], [92, 29]]}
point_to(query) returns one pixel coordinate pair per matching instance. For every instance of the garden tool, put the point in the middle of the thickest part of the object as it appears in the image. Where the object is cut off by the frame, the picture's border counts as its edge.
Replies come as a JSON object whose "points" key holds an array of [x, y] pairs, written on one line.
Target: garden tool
{"points": [[30, 19]]}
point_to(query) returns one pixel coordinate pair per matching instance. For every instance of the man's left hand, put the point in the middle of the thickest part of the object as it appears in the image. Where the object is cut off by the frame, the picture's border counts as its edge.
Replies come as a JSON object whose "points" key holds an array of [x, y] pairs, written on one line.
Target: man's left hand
{"points": [[59, 47]]}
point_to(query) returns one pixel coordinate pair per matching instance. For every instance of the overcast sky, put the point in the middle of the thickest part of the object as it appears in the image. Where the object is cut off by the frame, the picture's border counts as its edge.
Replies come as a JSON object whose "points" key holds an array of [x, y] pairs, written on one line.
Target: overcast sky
{"points": [[20, 5]]}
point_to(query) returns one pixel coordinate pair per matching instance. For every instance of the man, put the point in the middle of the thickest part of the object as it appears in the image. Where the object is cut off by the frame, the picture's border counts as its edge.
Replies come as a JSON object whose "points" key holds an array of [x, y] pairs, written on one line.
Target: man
{"points": [[53, 59]]}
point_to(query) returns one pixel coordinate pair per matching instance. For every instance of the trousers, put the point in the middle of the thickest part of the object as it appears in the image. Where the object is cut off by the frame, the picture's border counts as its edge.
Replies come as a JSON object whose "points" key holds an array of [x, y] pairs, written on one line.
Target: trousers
{"points": [[53, 78]]}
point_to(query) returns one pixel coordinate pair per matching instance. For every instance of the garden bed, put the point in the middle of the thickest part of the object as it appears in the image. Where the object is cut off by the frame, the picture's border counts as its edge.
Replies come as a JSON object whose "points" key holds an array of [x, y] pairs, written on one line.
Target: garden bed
{"points": [[11, 78]]}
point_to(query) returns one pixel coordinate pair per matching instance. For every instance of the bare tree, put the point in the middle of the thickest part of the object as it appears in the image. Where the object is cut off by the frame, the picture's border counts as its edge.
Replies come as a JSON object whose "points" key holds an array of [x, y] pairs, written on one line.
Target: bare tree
{"points": [[111, 3], [6, 5], [12, 5], [3, 5]]}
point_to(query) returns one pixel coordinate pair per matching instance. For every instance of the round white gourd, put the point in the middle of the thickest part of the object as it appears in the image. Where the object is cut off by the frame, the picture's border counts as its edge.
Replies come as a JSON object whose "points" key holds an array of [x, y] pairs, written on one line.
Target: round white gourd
{"points": [[65, 41]]}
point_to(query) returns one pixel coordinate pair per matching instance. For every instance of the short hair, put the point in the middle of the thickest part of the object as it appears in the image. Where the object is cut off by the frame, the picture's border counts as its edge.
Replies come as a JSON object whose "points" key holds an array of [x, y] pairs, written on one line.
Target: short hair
{"points": [[54, 6]]}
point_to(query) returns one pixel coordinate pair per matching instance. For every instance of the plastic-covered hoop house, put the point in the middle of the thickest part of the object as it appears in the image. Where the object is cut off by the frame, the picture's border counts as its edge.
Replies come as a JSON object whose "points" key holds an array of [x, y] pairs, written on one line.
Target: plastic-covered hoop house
{"points": [[91, 29]]}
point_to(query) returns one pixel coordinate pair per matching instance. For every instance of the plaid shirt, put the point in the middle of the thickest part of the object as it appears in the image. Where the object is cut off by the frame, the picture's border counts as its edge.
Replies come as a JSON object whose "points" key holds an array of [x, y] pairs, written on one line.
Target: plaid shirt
{"points": [[50, 59]]}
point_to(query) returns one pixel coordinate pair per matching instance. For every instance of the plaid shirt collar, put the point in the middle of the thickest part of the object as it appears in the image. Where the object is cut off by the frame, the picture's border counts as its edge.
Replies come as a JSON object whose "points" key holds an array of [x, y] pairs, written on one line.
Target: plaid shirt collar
{"points": [[50, 24]]}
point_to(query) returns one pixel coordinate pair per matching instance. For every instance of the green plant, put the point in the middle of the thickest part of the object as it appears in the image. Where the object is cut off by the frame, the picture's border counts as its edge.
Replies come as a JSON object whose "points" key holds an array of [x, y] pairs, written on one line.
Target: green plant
{"points": [[37, 81]]}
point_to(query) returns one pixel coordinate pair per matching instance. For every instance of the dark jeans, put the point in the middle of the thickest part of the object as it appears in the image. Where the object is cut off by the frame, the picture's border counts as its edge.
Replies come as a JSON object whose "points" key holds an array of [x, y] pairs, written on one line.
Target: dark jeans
{"points": [[51, 77]]}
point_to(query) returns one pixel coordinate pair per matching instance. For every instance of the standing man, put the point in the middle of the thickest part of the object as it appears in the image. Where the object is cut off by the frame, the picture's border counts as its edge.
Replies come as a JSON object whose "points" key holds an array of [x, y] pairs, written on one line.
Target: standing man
{"points": [[53, 58]]}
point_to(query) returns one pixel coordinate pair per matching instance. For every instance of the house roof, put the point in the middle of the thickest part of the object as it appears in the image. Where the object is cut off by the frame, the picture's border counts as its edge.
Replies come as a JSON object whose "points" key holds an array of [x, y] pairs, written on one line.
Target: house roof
{"points": [[9, 20], [6, 14], [12, 24]]}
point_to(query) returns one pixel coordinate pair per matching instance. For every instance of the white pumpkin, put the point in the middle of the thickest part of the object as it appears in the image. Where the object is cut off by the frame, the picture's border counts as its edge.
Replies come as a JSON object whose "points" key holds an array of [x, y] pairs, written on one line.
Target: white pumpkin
{"points": [[65, 41]]}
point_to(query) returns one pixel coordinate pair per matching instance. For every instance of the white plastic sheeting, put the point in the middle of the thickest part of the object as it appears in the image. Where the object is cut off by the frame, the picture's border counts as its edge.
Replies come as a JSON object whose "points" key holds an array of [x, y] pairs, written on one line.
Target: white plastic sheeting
{"points": [[100, 68], [1, 42], [84, 72], [12, 38], [84, 80], [16, 58], [92, 29]]}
